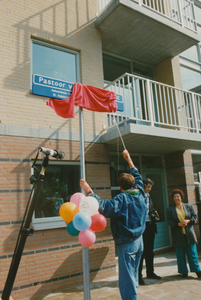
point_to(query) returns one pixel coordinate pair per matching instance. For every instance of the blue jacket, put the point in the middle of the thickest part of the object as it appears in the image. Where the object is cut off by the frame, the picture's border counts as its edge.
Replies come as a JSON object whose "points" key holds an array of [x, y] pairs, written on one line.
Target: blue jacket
{"points": [[127, 212]]}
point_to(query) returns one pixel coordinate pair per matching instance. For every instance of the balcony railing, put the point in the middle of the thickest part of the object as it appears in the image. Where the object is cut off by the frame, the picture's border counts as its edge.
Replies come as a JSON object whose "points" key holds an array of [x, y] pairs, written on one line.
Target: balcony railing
{"points": [[151, 103], [180, 11]]}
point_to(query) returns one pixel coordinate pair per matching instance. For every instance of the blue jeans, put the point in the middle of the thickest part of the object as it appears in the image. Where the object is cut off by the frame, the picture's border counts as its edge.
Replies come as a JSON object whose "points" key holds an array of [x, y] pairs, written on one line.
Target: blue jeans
{"points": [[129, 255]]}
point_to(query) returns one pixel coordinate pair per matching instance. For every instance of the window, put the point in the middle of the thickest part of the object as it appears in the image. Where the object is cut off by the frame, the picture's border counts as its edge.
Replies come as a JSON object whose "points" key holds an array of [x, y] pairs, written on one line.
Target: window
{"points": [[53, 70], [152, 162], [190, 78], [196, 166], [62, 178], [53, 61], [60, 183], [191, 53], [190, 60], [115, 67], [197, 13]]}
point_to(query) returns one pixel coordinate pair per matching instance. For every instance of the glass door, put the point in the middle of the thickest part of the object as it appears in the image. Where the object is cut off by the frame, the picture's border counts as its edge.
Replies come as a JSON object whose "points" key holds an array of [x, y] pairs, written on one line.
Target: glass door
{"points": [[159, 198]]}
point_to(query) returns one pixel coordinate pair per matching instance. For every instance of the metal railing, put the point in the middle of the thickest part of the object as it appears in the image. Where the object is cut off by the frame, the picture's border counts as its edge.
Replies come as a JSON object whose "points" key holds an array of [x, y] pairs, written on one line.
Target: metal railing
{"points": [[180, 11], [152, 103]]}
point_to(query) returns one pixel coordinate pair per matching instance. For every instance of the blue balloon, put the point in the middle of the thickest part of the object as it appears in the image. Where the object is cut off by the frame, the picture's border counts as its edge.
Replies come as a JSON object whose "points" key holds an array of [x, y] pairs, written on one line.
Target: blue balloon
{"points": [[72, 230], [82, 221]]}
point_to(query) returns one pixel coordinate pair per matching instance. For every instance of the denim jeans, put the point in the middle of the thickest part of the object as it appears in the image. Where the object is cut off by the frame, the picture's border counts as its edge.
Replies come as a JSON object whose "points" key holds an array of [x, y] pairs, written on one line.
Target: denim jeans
{"points": [[129, 255]]}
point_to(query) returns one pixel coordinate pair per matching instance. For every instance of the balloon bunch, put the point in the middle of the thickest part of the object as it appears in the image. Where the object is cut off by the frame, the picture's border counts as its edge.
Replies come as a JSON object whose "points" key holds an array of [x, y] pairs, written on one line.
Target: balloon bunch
{"points": [[82, 218]]}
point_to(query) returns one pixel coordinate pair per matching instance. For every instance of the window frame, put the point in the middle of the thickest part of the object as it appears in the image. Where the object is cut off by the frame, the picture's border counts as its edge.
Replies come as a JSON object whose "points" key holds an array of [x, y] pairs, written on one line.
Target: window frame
{"points": [[56, 47], [188, 63], [52, 222], [56, 221]]}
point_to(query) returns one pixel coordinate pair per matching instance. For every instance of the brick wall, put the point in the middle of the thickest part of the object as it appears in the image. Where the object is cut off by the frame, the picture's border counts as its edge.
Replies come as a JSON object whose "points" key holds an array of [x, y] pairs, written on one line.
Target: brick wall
{"points": [[69, 24], [168, 72], [51, 258]]}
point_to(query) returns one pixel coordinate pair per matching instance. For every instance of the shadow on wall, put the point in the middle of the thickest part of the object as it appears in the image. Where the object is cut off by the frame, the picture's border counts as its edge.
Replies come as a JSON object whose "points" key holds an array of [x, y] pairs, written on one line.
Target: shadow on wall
{"points": [[23, 169], [23, 173], [63, 12], [66, 269], [71, 22]]}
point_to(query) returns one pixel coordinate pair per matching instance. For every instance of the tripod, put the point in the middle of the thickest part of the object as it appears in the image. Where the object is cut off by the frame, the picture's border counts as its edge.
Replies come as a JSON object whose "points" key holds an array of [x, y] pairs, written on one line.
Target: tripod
{"points": [[25, 229]]}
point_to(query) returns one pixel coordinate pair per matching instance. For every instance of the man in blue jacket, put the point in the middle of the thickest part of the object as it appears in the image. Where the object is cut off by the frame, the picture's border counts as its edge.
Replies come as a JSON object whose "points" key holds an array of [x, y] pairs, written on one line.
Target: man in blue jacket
{"points": [[128, 212]]}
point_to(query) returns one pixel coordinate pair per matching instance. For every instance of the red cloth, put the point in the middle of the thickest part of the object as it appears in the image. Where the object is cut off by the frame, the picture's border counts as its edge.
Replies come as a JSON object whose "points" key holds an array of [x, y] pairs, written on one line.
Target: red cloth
{"points": [[86, 96]]}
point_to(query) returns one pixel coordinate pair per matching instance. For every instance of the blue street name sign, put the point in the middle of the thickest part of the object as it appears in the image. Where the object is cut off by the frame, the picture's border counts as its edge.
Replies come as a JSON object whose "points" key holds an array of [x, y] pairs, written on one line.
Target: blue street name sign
{"points": [[59, 89], [51, 87], [120, 102]]}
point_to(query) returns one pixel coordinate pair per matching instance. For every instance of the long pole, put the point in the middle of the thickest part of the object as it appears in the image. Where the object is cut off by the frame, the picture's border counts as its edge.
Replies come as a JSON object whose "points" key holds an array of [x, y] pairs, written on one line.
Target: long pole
{"points": [[85, 250]]}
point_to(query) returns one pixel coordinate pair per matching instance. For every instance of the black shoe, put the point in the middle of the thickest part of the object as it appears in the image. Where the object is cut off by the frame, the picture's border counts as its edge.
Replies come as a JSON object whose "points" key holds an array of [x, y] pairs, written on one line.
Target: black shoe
{"points": [[153, 276], [141, 281], [185, 275], [198, 274]]}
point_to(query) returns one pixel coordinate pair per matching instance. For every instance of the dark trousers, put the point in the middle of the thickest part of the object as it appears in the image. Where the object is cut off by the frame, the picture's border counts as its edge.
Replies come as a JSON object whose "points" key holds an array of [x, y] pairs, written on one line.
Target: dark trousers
{"points": [[148, 253]]}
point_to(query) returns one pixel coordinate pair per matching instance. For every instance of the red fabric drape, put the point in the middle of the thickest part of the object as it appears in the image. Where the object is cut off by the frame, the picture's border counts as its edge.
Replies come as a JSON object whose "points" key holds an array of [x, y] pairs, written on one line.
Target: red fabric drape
{"points": [[86, 96]]}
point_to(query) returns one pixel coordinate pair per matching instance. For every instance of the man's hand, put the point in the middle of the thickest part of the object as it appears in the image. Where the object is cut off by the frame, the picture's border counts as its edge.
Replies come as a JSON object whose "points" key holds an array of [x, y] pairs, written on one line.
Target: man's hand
{"points": [[85, 186], [127, 157]]}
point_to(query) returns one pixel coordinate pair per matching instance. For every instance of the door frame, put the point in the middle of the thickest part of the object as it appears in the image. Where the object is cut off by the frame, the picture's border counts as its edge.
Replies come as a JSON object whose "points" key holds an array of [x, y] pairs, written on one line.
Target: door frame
{"points": [[165, 196]]}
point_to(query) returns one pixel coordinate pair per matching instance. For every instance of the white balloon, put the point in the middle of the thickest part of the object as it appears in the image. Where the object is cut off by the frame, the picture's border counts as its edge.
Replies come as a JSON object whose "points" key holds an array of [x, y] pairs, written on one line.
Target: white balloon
{"points": [[89, 205]]}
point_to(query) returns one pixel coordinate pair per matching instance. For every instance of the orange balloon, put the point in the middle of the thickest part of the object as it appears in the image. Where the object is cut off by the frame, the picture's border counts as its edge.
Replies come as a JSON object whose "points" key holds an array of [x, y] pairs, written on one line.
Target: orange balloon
{"points": [[68, 210]]}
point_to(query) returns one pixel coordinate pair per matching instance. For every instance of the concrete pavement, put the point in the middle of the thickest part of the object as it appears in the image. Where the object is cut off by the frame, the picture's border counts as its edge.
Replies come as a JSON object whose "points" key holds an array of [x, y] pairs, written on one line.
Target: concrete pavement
{"points": [[171, 287]]}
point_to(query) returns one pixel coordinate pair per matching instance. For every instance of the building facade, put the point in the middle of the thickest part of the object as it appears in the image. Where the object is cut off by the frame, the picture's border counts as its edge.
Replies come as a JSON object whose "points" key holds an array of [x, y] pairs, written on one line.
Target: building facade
{"points": [[139, 49]]}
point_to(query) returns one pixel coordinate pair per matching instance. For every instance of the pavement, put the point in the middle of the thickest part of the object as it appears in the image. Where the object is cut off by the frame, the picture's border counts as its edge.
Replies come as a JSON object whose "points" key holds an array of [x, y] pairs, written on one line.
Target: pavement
{"points": [[171, 286]]}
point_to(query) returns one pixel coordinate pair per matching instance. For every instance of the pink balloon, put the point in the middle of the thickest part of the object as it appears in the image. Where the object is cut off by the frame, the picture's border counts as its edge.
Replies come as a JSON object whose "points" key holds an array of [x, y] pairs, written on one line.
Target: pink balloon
{"points": [[87, 238], [77, 198]]}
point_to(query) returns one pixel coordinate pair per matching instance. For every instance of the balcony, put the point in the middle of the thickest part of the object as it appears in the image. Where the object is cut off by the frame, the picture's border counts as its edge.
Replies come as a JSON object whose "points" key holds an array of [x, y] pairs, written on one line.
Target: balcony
{"points": [[156, 118], [147, 31]]}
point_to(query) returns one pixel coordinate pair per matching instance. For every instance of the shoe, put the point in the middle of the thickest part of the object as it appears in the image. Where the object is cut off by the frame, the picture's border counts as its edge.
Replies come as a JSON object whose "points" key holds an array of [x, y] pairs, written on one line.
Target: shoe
{"points": [[153, 276], [185, 275], [198, 274], [141, 281]]}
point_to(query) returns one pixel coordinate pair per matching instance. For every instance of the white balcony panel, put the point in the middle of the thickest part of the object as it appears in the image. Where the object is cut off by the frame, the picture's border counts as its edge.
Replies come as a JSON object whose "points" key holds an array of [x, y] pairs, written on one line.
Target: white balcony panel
{"points": [[156, 118]]}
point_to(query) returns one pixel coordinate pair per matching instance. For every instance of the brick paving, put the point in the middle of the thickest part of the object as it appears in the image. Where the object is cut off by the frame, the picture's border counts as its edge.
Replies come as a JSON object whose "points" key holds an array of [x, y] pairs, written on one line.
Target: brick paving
{"points": [[171, 287]]}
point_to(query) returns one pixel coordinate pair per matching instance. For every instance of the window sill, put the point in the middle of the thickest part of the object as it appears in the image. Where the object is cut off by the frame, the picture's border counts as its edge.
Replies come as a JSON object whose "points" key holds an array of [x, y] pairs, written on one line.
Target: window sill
{"points": [[48, 223]]}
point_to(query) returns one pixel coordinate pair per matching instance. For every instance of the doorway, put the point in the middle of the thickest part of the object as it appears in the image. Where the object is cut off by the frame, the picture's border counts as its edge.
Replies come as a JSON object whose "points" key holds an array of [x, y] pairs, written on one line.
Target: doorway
{"points": [[159, 197]]}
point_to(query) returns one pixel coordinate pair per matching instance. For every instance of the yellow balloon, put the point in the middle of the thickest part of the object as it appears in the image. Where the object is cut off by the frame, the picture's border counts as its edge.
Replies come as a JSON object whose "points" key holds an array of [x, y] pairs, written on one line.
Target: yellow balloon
{"points": [[68, 210]]}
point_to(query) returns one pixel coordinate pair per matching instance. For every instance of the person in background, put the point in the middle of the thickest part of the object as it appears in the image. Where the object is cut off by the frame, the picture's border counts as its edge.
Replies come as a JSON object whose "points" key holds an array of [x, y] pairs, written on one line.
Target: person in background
{"points": [[181, 217], [149, 235], [128, 212]]}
